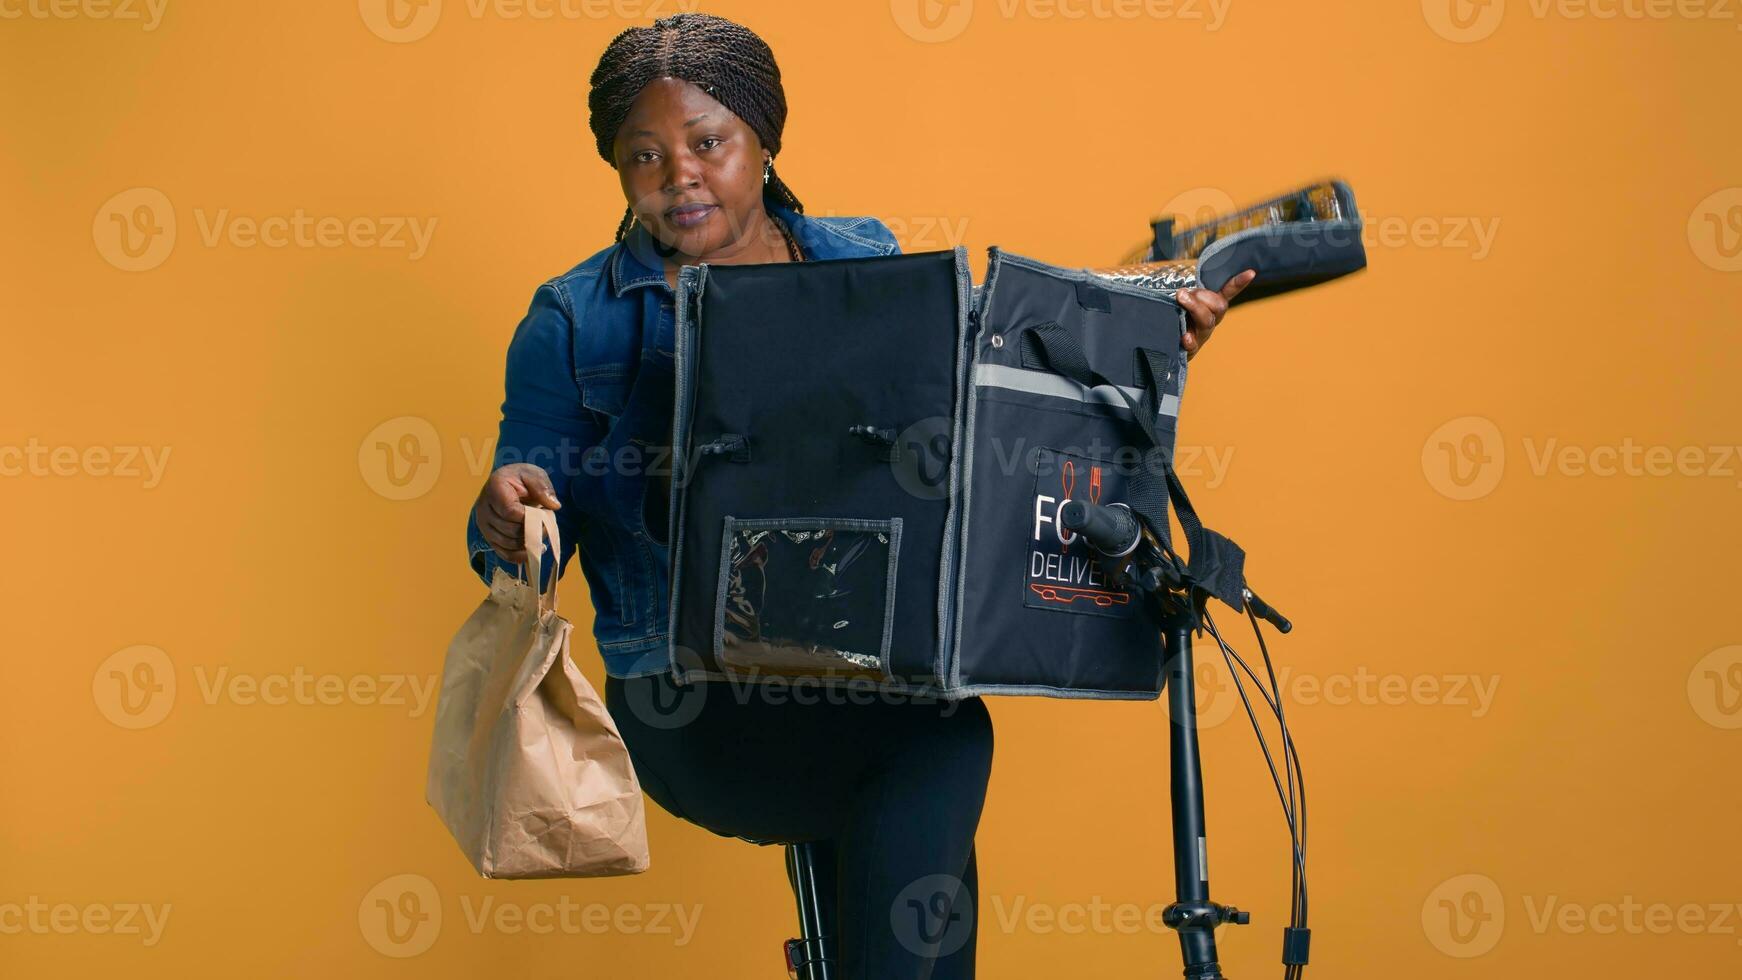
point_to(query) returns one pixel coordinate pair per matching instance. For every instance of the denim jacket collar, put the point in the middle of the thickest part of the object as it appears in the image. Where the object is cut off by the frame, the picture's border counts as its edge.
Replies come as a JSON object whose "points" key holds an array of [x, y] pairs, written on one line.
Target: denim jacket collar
{"points": [[821, 238]]}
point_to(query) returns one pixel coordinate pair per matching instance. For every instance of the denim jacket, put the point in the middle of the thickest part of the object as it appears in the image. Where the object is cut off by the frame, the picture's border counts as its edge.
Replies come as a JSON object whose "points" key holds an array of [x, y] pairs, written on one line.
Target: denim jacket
{"points": [[589, 398]]}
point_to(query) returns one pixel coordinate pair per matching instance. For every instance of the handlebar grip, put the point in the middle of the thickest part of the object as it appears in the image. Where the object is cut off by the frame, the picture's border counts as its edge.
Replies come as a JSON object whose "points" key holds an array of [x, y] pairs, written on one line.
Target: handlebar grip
{"points": [[1264, 611], [1111, 529]]}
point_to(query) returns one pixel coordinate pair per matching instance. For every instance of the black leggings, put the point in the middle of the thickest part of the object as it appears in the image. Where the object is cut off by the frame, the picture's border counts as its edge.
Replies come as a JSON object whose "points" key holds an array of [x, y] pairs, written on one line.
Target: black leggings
{"points": [[892, 784]]}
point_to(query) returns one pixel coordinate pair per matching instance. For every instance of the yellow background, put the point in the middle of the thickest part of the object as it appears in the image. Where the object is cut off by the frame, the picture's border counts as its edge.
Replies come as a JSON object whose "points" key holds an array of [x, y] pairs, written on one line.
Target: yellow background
{"points": [[1601, 312]]}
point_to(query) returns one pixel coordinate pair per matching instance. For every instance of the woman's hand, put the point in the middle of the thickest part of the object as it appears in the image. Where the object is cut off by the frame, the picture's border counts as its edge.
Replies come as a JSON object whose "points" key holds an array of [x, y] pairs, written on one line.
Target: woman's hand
{"points": [[1207, 308], [501, 507]]}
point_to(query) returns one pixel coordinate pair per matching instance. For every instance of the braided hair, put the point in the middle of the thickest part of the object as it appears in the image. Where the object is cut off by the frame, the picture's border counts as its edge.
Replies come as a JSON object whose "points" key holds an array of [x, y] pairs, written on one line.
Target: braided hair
{"points": [[724, 59]]}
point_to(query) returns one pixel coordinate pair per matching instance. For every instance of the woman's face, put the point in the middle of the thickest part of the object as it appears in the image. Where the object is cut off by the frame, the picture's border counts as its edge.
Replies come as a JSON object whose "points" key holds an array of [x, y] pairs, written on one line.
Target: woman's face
{"points": [[691, 170]]}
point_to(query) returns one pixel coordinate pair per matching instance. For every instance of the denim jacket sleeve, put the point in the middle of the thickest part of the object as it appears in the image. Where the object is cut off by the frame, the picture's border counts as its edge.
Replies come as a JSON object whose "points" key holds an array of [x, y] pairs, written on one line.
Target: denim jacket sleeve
{"points": [[543, 422], [878, 231]]}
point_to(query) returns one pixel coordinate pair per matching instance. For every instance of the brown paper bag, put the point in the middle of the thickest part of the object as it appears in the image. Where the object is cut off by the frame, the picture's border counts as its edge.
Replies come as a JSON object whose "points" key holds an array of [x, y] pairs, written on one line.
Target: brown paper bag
{"points": [[526, 768]]}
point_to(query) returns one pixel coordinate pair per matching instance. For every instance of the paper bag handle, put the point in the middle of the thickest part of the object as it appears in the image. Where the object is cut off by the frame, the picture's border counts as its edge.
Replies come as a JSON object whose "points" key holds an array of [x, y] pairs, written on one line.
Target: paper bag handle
{"points": [[539, 523]]}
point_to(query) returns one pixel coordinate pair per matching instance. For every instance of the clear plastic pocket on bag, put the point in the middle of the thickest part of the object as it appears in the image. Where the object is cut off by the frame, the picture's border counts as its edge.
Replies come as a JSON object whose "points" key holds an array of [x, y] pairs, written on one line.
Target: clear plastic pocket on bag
{"points": [[807, 596]]}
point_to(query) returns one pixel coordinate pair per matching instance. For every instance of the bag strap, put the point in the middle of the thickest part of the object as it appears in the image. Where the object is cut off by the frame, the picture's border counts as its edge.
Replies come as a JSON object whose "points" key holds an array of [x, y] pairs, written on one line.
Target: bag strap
{"points": [[1215, 563], [539, 523]]}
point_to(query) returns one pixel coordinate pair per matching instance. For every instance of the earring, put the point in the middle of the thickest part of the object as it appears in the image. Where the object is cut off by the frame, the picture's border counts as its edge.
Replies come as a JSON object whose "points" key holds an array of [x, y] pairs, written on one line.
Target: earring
{"points": [[767, 170]]}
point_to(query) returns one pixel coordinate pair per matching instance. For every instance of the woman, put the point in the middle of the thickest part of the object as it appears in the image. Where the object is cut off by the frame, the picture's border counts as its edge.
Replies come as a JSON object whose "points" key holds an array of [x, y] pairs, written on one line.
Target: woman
{"points": [[690, 113]]}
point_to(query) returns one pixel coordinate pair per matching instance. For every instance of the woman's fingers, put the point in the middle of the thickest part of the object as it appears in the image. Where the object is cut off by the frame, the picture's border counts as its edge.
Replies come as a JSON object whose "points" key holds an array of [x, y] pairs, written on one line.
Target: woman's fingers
{"points": [[1214, 305], [1206, 308], [505, 541], [501, 507], [499, 529], [501, 534], [539, 490], [1238, 283], [502, 497], [500, 517], [1194, 307], [1202, 319], [523, 483], [1189, 339]]}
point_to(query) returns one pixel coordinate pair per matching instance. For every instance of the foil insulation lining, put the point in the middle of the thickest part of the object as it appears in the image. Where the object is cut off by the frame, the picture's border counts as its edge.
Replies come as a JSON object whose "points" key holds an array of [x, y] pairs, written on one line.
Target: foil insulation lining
{"points": [[790, 593], [1167, 276]]}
